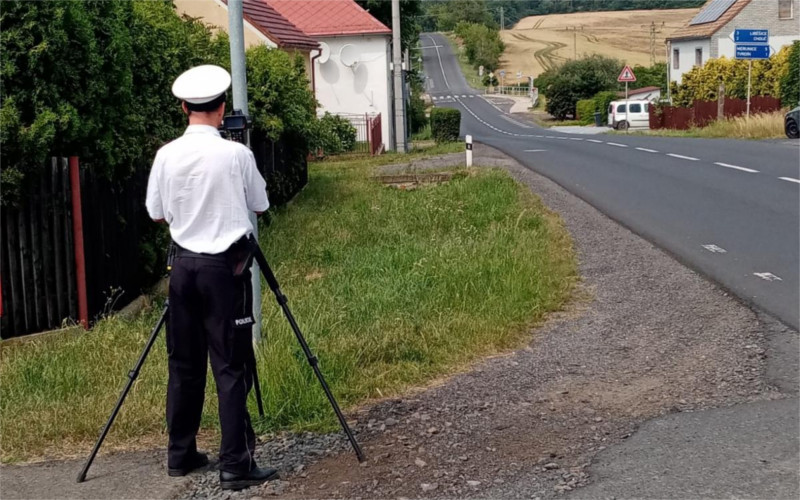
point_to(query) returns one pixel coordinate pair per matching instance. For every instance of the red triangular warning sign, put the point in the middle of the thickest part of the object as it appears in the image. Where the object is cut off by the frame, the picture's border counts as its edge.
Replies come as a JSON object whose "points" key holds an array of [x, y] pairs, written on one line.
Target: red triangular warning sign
{"points": [[626, 75]]}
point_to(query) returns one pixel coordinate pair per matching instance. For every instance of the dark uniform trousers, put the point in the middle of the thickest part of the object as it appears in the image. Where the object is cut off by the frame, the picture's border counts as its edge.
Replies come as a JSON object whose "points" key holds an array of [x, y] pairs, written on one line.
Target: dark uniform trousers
{"points": [[210, 315]]}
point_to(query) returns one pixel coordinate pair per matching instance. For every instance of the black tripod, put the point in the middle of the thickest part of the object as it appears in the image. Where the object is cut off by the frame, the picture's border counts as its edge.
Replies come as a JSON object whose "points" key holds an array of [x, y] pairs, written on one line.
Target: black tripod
{"points": [[282, 301]]}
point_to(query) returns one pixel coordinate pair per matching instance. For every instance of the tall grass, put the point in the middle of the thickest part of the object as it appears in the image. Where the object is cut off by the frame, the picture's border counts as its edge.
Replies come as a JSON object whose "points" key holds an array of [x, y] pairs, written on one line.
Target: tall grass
{"points": [[758, 126], [391, 288]]}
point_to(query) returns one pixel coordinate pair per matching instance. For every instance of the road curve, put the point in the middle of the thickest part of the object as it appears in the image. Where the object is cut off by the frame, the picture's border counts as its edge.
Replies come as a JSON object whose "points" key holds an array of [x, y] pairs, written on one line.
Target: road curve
{"points": [[729, 209]]}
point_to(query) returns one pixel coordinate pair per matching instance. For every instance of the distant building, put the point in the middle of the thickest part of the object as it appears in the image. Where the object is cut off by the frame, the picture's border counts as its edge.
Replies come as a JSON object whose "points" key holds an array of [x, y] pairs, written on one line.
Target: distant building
{"points": [[709, 34], [651, 94], [262, 25]]}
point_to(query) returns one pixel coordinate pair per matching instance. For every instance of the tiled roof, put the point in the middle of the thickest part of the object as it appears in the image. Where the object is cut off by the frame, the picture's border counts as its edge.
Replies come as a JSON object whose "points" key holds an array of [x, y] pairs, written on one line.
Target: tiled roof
{"points": [[692, 31], [275, 26], [329, 17]]}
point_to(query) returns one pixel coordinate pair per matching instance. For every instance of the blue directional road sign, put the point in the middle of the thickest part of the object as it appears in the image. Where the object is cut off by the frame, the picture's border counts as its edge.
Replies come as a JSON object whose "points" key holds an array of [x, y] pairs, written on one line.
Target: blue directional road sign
{"points": [[749, 51], [751, 36]]}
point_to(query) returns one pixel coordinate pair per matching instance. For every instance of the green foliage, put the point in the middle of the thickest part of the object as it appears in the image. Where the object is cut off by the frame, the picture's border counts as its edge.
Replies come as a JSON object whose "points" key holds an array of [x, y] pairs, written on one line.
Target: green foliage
{"points": [[482, 44], [332, 135], [584, 110], [650, 76], [702, 83], [444, 16], [790, 80], [580, 79], [601, 102], [445, 124], [490, 81], [279, 96], [92, 79], [418, 120], [410, 11]]}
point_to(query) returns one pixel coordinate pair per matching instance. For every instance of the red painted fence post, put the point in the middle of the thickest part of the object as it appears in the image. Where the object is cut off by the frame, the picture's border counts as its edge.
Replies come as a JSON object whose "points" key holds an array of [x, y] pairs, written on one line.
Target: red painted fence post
{"points": [[77, 238]]}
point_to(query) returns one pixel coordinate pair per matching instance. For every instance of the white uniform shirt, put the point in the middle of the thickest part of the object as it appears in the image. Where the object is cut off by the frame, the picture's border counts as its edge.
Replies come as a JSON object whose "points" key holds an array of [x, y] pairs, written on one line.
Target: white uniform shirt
{"points": [[205, 188]]}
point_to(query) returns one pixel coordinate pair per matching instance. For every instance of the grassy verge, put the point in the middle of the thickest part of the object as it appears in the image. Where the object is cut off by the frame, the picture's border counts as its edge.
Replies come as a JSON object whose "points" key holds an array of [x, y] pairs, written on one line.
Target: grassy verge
{"points": [[760, 126], [392, 288], [470, 73]]}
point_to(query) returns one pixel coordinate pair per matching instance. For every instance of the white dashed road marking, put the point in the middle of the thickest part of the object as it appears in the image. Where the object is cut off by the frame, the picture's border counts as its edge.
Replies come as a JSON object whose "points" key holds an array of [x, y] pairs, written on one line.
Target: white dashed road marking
{"points": [[768, 276], [728, 165], [714, 248], [534, 150], [690, 158], [646, 150], [617, 144], [594, 141], [789, 179], [439, 57], [575, 139]]}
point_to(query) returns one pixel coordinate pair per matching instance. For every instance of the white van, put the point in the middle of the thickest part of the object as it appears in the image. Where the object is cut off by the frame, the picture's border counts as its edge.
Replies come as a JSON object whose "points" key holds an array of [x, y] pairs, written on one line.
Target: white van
{"points": [[620, 119]]}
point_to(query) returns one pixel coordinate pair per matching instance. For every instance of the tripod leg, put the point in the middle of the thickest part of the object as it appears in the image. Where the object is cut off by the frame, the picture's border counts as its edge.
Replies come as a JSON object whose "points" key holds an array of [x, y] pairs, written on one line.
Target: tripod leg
{"points": [[256, 383], [131, 378], [312, 360]]}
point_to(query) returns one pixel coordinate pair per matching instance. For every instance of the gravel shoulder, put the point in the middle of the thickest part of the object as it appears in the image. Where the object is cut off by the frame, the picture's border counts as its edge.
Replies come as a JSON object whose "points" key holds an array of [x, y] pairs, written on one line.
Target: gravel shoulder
{"points": [[646, 343]]}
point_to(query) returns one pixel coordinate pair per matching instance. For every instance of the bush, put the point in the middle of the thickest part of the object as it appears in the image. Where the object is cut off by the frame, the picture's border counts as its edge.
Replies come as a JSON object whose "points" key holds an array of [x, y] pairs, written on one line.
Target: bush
{"points": [[601, 102], [482, 44], [332, 135], [585, 109], [445, 124], [702, 83], [790, 80], [580, 79], [417, 118]]}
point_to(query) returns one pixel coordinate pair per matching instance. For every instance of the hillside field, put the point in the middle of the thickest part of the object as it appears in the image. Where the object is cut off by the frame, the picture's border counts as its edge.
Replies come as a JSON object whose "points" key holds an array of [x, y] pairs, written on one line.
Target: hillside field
{"points": [[539, 42]]}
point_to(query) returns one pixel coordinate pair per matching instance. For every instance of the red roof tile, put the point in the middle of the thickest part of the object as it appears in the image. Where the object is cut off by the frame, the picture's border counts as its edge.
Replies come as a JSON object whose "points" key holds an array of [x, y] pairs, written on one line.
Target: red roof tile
{"points": [[329, 17], [275, 26]]}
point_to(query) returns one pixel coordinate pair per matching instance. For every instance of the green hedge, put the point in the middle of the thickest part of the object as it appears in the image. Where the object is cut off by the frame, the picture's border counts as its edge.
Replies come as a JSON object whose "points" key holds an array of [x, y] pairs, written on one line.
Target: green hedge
{"points": [[601, 102], [445, 124], [585, 111]]}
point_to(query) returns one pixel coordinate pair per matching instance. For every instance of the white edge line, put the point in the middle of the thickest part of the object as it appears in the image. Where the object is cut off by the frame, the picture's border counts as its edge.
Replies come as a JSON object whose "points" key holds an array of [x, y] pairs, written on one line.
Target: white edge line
{"points": [[690, 158], [789, 179], [534, 150], [728, 165]]}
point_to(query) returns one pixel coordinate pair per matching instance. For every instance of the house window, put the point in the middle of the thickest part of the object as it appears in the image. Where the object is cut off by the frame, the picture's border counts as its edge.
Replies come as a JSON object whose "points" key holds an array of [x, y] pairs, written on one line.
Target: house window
{"points": [[698, 57], [676, 59], [785, 9]]}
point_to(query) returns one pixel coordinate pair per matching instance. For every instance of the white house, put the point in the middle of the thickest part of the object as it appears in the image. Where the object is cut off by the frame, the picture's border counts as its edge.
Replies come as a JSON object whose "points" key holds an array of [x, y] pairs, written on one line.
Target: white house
{"points": [[352, 76], [262, 25], [651, 93], [710, 33]]}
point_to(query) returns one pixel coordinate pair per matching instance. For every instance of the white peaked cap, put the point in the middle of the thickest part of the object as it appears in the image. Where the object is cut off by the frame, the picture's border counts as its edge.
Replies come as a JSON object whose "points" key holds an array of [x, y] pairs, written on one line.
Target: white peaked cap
{"points": [[201, 84]]}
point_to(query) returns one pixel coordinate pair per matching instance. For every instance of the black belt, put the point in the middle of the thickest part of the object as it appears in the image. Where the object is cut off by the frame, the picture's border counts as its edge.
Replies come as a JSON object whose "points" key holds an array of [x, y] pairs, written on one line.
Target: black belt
{"points": [[239, 255]]}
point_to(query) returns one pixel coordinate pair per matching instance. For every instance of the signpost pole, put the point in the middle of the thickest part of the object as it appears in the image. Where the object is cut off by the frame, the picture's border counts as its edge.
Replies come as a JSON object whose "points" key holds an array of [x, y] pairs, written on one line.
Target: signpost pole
{"points": [[627, 111], [749, 74]]}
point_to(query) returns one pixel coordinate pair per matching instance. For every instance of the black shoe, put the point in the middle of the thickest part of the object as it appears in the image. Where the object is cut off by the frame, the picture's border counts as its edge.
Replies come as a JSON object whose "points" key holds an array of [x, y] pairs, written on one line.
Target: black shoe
{"points": [[195, 462], [231, 481]]}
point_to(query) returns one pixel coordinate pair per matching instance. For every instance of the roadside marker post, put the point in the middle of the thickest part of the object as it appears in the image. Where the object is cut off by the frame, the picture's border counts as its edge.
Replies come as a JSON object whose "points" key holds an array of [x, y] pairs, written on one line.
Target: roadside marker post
{"points": [[751, 44], [626, 76], [469, 150]]}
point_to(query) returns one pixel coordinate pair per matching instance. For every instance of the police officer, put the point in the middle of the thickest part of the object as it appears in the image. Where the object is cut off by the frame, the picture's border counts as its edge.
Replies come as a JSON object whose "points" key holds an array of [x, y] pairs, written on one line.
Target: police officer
{"points": [[205, 187]]}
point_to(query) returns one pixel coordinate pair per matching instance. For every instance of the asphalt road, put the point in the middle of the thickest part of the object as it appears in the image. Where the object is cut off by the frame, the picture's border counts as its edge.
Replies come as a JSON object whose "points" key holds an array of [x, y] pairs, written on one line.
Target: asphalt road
{"points": [[729, 209]]}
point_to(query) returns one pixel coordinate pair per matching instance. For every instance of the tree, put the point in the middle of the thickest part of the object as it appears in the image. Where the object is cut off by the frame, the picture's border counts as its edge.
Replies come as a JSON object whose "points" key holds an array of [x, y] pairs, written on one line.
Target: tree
{"points": [[580, 79], [409, 17]]}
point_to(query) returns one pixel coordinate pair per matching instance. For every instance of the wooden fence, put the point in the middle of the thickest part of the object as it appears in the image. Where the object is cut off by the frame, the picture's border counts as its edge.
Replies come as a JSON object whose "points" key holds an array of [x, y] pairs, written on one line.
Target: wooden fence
{"points": [[704, 112], [38, 260]]}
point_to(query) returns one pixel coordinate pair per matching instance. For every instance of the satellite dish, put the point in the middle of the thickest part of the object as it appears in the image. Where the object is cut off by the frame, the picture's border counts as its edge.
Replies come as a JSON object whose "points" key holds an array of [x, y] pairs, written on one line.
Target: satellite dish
{"points": [[324, 52], [348, 55]]}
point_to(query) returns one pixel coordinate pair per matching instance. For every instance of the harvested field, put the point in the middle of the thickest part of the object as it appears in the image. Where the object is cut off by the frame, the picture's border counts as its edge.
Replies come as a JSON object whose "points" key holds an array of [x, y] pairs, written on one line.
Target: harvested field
{"points": [[537, 43]]}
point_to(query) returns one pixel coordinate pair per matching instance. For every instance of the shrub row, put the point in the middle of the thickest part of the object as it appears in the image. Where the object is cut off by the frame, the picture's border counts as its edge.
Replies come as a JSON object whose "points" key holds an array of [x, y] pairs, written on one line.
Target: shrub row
{"points": [[445, 124]]}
